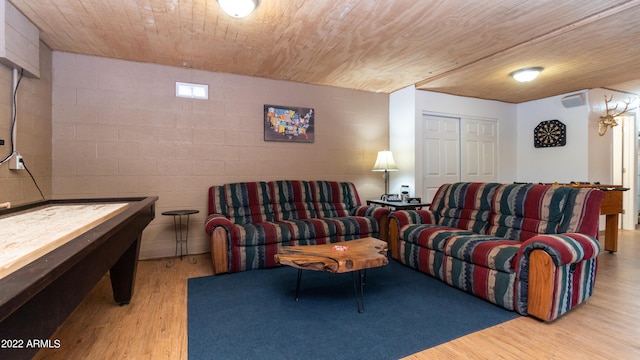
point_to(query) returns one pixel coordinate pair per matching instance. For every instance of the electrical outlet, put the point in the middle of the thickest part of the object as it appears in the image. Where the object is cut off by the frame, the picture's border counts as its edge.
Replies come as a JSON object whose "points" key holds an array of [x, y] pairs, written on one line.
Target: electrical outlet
{"points": [[16, 162]]}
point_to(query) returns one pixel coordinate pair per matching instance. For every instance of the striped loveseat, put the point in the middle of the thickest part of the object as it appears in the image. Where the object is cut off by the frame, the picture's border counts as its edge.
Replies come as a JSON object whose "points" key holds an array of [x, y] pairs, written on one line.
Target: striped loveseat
{"points": [[531, 248], [248, 222]]}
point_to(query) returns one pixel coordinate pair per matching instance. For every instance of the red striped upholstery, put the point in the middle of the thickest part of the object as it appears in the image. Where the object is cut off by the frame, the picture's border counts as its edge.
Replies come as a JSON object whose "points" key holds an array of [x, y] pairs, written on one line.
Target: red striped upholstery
{"points": [[521, 211], [260, 217], [478, 237]]}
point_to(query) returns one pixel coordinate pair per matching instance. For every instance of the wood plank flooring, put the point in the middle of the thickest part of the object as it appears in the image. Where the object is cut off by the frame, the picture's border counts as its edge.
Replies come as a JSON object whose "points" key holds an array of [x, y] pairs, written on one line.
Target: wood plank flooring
{"points": [[154, 325]]}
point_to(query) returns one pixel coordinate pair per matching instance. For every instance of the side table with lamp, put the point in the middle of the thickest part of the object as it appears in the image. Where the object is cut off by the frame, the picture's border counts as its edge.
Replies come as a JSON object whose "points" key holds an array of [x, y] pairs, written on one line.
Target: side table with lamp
{"points": [[412, 204], [385, 163]]}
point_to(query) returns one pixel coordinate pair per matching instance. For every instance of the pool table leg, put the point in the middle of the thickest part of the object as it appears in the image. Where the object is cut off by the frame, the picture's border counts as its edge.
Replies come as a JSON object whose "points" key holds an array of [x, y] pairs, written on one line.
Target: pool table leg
{"points": [[123, 274]]}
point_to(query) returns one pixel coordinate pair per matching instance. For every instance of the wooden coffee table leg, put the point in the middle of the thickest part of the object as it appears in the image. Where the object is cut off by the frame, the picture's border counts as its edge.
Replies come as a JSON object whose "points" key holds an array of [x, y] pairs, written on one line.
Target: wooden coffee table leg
{"points": [[298, 283], [358, 284]]}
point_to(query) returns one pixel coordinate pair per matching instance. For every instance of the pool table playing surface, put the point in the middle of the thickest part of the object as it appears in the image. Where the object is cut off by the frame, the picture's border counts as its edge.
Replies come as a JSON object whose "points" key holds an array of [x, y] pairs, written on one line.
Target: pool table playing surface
{"points": [[29, 235]]}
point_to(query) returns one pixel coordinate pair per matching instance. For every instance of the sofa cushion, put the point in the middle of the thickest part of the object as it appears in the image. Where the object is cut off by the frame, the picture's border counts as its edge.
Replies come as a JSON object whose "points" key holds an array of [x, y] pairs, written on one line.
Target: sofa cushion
{"points": [[464, 205], [253, 234], [489, 284], [244, 258], [217, 200], [577, 217], [431, 236], [248, 202], [292, 200], [311, 229], [521, 211], [334, 199], [484, 250], [352, 227]]}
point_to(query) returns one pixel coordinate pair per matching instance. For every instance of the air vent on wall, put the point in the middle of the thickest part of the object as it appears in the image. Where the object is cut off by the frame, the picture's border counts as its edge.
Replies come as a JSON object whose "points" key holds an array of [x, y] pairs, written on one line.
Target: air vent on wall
{"points": [[573, 100]]}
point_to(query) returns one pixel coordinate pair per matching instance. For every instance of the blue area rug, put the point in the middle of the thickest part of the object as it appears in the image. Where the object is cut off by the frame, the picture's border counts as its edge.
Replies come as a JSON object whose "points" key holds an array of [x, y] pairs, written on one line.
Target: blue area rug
{"points": [[253, 315]]}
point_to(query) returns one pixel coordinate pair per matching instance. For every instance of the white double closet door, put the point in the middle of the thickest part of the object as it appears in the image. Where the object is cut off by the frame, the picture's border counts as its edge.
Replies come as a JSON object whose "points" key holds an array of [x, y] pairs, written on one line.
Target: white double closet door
{"points": [[457, 149]]}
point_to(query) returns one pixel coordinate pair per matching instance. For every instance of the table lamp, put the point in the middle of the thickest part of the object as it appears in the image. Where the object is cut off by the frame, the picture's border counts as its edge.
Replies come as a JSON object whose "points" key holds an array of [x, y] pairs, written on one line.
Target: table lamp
{"points": [[385, 163]]}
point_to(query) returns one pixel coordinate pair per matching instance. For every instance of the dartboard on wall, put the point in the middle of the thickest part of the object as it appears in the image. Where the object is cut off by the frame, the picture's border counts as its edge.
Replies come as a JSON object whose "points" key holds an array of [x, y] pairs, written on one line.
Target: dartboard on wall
{"points": [[550, 133]]}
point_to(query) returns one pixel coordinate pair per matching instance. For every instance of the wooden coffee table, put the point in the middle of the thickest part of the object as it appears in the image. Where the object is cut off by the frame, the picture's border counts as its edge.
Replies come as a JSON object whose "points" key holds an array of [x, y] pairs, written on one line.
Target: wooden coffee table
{"points": [[348, 256]]}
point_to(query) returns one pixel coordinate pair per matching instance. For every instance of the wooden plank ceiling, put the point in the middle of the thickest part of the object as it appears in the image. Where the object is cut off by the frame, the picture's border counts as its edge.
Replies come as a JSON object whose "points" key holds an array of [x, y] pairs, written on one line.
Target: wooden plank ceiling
{"points": [[463, 47]]}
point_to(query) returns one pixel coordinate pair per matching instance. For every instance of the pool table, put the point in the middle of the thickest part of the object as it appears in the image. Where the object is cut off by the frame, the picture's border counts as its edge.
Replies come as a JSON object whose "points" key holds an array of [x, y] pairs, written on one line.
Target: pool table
{"points": [[37, 296]]}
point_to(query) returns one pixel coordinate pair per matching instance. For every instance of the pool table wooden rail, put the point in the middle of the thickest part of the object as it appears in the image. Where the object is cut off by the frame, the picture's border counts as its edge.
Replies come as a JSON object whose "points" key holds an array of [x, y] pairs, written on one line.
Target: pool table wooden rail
{"points": [[37, 298]]}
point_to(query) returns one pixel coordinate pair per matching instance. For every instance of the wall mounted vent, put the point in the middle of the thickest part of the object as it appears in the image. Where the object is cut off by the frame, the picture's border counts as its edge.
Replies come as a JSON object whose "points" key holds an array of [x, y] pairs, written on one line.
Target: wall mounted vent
{"points": [[574, 100]]}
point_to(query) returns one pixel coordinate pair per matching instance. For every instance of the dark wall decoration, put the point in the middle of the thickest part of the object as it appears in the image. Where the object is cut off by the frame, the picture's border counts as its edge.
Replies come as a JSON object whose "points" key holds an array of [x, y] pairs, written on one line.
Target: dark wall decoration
{"points": [[550, 133], [288, 123]]}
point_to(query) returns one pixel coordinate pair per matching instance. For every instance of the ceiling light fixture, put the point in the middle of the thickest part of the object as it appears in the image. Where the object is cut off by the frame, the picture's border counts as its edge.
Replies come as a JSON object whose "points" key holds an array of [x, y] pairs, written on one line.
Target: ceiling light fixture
{"points": [[526, 74], [238, 8]]}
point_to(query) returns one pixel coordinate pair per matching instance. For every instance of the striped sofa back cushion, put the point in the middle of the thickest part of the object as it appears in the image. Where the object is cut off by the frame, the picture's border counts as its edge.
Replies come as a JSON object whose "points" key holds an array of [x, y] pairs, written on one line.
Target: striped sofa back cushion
{"points": [[464, 206], [582, 214], [521, 211], [333, 199], [248, 202], [217, 200], [292, 200]]}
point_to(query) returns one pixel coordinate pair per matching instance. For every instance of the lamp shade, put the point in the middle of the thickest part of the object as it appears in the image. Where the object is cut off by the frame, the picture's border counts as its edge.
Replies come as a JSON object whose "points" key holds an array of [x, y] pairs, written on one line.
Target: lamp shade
{"points": [[238, 8], [385, 162]]}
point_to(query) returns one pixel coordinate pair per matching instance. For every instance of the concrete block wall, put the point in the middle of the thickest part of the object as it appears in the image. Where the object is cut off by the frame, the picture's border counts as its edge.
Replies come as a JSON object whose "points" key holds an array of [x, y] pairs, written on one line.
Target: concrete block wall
{"points": [[119, 130], [34, 129]]}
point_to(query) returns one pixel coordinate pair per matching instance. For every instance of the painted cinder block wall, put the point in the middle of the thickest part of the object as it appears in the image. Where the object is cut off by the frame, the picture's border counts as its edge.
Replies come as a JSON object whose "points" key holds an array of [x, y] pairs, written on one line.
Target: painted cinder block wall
{"points": [[33, 139], [119, 130]]}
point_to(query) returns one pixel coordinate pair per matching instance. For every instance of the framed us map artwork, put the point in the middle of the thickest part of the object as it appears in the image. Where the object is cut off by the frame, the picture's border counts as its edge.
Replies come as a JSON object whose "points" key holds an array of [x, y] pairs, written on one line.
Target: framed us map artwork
{"points": [[288, 123], [550, 133]]}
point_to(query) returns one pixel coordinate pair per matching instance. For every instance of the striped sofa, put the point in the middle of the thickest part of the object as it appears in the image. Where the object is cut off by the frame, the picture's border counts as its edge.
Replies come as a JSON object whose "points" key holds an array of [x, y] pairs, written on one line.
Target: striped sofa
{"points": [[531, 248], [248, 222]]}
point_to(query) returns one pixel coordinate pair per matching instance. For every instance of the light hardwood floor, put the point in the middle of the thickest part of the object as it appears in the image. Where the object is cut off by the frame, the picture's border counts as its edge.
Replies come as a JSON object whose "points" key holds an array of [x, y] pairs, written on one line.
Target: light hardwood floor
{"points": [[154, 325]]}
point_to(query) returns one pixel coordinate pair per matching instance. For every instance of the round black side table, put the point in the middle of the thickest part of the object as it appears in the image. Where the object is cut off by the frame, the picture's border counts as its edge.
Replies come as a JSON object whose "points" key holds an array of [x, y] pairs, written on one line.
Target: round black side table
{"points": [[178, 225]]}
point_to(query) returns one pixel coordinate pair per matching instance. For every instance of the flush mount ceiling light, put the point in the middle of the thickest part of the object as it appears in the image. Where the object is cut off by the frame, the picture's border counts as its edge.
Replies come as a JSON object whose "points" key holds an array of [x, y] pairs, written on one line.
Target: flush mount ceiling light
{"points": [[526, 74], [238, 8]]}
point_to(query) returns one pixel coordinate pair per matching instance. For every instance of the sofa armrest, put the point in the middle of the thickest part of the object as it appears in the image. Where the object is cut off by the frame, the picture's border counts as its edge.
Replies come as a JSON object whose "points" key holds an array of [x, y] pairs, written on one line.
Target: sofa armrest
{"points": [[546, 265], [219, 228], [219, 254], [216, 220], [413, 217], [564, 249], [380, 213], [401, 218], [377, 212]]}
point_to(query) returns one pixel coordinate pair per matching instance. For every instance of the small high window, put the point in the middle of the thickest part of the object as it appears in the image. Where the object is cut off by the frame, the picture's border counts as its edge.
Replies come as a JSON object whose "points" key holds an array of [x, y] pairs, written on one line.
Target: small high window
{"points": [[192, 91]]}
